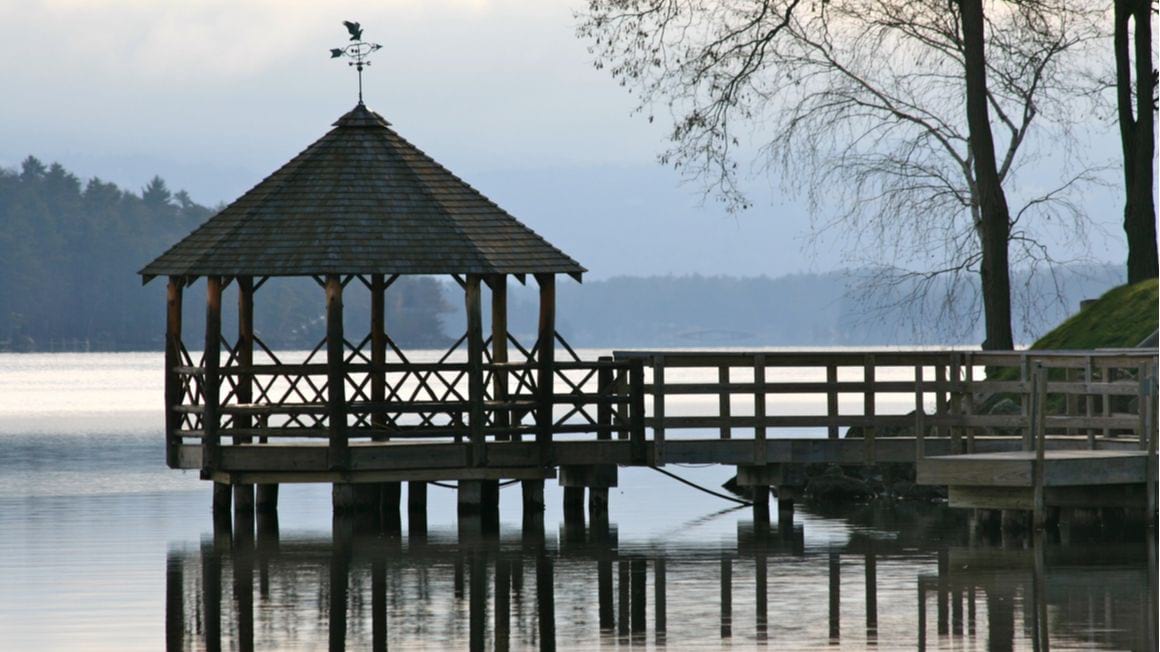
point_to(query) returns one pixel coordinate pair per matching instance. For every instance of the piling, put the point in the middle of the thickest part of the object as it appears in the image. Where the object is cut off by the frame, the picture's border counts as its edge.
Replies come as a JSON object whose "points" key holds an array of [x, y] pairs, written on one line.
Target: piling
{"points": [[267, 499]]}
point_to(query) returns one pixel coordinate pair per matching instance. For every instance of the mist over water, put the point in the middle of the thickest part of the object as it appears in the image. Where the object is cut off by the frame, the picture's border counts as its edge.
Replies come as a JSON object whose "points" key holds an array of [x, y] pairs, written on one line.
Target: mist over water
{"points": [[102, 547]]}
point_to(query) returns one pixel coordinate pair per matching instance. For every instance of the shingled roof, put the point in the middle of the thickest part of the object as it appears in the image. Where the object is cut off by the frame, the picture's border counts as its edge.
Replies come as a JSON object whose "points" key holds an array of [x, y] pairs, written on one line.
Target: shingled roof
{"points": [[361, 200]]}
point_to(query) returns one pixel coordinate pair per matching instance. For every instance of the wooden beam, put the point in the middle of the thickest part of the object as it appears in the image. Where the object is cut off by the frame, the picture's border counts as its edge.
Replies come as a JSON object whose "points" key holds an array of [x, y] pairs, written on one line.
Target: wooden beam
{"points": [[245, 353], [475, 391], [658, 366], [378, 288], [499, 348], [335, 374], [546, 367], [759, 456], [211, 380], [173, 394]]}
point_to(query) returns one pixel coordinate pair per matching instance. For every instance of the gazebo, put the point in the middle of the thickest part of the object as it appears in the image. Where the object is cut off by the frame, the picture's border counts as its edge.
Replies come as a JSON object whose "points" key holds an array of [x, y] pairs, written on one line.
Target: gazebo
{"points": [[361, 206]]}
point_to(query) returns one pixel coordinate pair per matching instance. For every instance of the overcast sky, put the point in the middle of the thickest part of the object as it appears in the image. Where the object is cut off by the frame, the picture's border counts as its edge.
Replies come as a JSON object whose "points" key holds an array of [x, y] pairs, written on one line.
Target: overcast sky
{"points": [[213, 95]]}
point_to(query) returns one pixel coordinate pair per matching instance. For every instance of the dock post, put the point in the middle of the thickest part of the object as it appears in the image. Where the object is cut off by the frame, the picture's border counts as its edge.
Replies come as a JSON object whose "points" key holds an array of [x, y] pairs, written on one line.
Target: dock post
{"points": [[478, 497], [574, 504], [244, 499], [267, 499], [785, 500], [760, 504], [639, 574], [546, 366], [533, 491], [173, 391], [222, 497]]}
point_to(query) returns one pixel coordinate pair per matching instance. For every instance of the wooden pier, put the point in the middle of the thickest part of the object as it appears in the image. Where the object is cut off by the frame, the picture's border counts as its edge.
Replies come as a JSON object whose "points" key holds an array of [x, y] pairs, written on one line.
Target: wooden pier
{"points": [[361, 207]]}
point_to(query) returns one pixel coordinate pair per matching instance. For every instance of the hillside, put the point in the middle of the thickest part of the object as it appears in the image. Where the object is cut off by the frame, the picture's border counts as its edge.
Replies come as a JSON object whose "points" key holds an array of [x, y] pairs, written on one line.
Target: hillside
{"points": [[1121, 318]]}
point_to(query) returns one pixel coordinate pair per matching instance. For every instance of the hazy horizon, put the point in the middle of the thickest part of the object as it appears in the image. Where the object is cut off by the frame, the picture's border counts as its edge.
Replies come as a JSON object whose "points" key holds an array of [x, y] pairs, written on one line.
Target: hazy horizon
{"points": [[214, 96]]}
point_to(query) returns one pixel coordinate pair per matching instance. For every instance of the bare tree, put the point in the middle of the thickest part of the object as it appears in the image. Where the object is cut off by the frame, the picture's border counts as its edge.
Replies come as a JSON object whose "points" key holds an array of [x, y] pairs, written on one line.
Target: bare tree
{"points": [[882, 112], [1135, 101]]}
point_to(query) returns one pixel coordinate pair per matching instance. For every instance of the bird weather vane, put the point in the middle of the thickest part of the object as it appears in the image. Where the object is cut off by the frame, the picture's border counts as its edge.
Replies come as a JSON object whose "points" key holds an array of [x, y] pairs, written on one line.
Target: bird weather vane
{"points": [[357, 52]]}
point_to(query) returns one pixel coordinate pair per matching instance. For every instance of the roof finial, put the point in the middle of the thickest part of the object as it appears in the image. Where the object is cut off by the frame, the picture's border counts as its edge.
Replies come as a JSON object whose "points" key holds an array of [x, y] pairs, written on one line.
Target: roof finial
{"points": [[358, 51]]}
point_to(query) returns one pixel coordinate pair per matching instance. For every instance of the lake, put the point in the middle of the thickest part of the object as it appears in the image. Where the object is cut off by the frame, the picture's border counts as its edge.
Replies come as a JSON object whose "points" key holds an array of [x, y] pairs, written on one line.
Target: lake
{"points": [[103, 548]]}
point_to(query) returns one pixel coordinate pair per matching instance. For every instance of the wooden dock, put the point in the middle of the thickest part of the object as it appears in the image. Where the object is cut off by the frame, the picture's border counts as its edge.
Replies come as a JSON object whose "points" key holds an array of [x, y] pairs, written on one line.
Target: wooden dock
{"points": [[1036, 478]]}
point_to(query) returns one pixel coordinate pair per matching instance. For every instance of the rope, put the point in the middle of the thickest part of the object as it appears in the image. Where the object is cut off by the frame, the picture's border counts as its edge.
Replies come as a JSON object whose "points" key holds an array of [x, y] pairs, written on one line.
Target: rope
{"points": [[699, 487]]}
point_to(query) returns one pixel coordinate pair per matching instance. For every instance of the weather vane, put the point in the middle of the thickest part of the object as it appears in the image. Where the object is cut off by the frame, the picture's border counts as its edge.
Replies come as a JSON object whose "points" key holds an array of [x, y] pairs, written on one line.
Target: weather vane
{"points": [[357, 52]]}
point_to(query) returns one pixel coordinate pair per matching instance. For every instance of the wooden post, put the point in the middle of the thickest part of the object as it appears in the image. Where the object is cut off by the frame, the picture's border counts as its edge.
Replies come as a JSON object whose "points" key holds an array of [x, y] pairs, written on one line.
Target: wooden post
{"points": [[1148, 406], [1089, 401], [546, 365], [869, 432], [475, 370], [639, 575], [955, 404], [760, 452], [211, 379], [244, 493], [336, 374], [940, 397], [658, 410], [919, 417], [832, 400], [378, 356], [636, 411], [605, 393], [1039, 431], [969, 403], [724, 400], [173, 394], [1025, 402], [501, 417], [1141, 407]]}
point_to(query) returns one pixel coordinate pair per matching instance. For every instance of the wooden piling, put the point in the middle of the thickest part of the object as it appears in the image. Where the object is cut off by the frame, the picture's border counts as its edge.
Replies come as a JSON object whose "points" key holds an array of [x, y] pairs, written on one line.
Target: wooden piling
{"points": [[267, 499], [726, 597], [835, 597], [533, 495], [639, 572], [660, 599], [222, 498]]}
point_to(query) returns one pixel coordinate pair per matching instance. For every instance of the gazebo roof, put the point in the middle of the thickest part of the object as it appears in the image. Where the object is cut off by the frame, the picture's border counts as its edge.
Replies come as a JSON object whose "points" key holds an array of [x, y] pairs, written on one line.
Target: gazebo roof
{"points": [[361, 200]]}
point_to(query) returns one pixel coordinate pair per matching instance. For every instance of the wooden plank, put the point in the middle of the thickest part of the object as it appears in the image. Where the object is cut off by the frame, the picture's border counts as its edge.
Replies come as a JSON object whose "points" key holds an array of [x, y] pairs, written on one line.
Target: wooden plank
{"points": [[335, 374], [475, 389], [173, 393], [658, 370], [954, 470], [546, 358], [211, 381], [358, 477]]}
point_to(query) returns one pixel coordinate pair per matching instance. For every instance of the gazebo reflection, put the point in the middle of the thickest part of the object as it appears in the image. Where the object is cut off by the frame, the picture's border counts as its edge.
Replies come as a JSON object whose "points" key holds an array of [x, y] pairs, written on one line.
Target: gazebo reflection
{"points": [[582, 586]]}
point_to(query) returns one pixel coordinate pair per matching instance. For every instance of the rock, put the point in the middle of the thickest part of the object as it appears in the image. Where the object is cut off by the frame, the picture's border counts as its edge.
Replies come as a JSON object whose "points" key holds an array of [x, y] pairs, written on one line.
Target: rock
{"points": [[835, 485], [907, 490]]}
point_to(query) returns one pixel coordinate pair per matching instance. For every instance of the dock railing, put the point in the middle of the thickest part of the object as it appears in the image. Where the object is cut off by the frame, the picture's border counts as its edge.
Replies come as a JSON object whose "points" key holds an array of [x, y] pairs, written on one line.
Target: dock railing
{"points": [[958, 396]]}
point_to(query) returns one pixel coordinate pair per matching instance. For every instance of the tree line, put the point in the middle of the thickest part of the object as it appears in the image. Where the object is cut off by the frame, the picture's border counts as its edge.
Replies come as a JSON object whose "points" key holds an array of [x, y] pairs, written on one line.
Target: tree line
{"points": [[70, 252]]}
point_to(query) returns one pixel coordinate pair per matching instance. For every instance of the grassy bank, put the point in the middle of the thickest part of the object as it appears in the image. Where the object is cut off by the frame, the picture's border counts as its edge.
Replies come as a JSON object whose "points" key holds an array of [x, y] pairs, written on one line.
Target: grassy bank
{"points": [[1121, 318]]}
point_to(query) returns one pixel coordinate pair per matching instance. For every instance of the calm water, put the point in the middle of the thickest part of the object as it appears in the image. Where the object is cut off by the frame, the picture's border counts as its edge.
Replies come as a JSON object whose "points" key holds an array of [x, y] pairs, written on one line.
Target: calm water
{"points": [[101, 547]]}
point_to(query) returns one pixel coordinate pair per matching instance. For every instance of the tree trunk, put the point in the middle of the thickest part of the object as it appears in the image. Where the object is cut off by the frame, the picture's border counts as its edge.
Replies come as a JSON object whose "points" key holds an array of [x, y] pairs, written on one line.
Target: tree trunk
{"points": [[1137, 135], [995, 222]]}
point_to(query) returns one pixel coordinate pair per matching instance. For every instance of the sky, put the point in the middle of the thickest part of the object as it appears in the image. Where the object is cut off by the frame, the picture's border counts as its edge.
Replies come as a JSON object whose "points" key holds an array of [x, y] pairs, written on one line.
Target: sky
{"points": [[213, 95]]}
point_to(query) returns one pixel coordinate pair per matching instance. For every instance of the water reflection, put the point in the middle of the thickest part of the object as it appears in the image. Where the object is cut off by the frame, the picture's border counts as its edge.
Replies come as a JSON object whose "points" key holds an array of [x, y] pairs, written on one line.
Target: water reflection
{"points": [[485, 587]]}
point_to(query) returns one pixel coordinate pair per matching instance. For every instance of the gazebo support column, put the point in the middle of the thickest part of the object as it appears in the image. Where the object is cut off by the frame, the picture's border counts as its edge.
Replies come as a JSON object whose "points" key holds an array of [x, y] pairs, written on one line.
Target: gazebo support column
{"points": [[173, 297], [499, 351], [475, 392], [346, 498], [546, 365], [211, 388], [378, 352], [244, 493]]}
